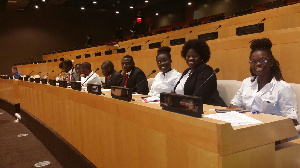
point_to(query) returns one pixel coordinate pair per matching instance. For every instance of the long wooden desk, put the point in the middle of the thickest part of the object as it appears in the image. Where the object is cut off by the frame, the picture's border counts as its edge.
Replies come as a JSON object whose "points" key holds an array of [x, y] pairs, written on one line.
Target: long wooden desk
{"points": [[114, 133]]}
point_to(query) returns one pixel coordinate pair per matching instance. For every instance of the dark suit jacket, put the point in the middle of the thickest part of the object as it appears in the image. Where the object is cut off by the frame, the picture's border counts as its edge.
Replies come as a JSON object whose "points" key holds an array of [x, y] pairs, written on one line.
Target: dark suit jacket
{"points": [[137, 78], [208, 91], [115, 80]]}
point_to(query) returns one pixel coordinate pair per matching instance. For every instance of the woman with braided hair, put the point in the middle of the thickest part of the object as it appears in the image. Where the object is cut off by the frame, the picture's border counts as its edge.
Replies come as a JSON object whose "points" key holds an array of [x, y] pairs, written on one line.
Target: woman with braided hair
{"points": [[266, 91]]}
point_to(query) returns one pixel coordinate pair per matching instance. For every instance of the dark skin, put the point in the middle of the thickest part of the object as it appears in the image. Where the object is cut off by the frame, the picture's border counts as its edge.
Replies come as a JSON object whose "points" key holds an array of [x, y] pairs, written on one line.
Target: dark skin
{"points": [[193, 59], [163, 63], [66, 68], [106, 69], [77, 69], [261, 69], [84, 71], [261, 66], [127, 64]]}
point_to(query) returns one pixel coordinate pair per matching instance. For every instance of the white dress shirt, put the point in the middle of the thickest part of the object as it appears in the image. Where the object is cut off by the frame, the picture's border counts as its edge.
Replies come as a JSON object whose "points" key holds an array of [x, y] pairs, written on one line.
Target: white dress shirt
{"points": [[276, 97], [93, 78], [180, 86], [164, 82]]}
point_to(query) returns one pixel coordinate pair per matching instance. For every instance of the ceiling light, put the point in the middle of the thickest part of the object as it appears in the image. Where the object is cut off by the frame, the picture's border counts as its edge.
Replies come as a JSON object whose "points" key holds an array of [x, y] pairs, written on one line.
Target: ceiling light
{"points": [[36, 6], [189, 3], [117, 12], [82, 8], [94, 2], [131, 7], [156, 13], [146, 1], [43, 0]]}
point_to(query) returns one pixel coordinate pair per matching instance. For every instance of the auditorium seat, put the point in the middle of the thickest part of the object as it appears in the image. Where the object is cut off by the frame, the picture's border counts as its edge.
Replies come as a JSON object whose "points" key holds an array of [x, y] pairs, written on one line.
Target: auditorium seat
{"points": [[227, 89], [291, 2], [259, 8], [150, 81]]}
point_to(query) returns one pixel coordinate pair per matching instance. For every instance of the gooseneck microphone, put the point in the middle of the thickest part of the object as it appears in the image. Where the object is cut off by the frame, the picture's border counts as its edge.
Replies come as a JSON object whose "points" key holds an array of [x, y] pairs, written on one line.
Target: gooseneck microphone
{"points": [[30, 73], [90, 76], [215, 72], [144, 79]]}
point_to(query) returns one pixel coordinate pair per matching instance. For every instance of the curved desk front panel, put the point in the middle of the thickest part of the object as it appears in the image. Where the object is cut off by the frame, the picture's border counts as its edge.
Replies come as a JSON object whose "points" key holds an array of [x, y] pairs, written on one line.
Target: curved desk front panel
{"points": [[115, 133]]}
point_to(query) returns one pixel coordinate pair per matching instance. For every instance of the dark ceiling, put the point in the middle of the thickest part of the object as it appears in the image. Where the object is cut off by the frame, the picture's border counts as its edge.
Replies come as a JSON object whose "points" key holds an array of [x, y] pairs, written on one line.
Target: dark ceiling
{"points": [[103, 5]]}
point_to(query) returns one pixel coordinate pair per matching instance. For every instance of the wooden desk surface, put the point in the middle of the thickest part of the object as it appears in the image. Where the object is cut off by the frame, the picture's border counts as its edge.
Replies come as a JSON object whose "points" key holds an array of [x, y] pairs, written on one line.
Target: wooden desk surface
{"points": [[115, 133]]}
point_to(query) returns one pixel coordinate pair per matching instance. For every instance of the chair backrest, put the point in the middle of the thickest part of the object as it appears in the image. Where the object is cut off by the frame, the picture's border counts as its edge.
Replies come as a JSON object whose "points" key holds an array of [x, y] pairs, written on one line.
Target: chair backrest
{"points": [[296, 88], [228, 89], [150, 81]]}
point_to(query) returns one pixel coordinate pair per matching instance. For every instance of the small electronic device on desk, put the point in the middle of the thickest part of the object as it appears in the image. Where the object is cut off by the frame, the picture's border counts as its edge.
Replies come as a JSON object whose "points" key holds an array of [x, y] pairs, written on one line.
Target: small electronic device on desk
{"points": [[183, 104], [94, 89], [121, 93]]}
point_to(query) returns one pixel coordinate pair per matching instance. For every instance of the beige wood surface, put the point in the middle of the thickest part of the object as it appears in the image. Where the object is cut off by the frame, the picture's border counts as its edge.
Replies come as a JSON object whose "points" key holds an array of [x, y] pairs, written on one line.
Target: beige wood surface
{"points": [[114, 133]]}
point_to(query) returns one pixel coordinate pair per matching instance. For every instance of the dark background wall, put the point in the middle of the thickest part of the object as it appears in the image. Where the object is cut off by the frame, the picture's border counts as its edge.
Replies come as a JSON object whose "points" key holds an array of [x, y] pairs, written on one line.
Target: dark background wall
{"points": [[31, 33]]}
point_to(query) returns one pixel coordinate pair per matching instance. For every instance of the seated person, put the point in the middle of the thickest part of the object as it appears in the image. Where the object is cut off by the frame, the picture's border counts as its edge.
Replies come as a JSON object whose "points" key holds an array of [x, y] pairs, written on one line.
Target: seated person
{"points": [[61, 66], [89, 76], [112, 77], [78, 73], [165, 80], [71, 75], [196, 54], [266, 91], [16, 74], [133, 77]]}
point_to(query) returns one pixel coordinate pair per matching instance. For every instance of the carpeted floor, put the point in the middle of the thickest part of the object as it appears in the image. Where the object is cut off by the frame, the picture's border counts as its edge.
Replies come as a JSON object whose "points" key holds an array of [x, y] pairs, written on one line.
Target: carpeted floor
{"points": [[17, 151]]}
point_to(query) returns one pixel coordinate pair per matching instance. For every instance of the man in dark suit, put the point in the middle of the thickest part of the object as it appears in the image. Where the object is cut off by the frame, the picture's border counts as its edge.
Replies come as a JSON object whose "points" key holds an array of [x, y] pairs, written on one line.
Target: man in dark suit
{"points": [[112, 77], [133, 77]]}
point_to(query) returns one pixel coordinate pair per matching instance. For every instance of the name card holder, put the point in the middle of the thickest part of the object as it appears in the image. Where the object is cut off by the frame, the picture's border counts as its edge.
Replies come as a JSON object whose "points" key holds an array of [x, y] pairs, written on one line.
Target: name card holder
{"points": [[208, 36], [121, 93], [61, 59], [52, 82], [136, 48], [76, 86], [182, 104], [31, 79], [256, 28], [177, 41], [155, 45], [121, 50], [63, 83], [37, 80], [94, 89], [44, 81], [108, 52]]}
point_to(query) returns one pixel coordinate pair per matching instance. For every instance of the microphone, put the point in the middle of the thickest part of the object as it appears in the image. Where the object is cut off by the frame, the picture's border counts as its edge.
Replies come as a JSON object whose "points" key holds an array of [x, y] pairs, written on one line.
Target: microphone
{"points": [[164, 39], [144, 79], [188, 33], [145, 43], [218, 28], [49, 73], [215, 72], [262, 20], [89, 77], [30, 73], [120, 71]]}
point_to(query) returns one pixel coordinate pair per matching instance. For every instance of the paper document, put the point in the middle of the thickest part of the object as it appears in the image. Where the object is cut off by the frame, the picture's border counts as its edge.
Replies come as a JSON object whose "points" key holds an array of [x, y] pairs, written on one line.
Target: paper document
{"points": [[235, 118]]}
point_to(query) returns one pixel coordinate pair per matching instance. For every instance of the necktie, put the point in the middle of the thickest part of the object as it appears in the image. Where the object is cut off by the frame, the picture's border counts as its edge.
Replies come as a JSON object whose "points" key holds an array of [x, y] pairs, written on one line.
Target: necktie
{"points": [[126, 79]]}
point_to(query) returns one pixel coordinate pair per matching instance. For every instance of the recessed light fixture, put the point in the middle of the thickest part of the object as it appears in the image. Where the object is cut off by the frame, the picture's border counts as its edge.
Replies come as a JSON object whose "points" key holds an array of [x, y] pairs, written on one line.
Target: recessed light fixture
{"points": [[82, 8], [117, 12], [94, 2], [189, 3], [36, 6], [131, 7], [156, 14], [146, 1], [43, 0]]}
